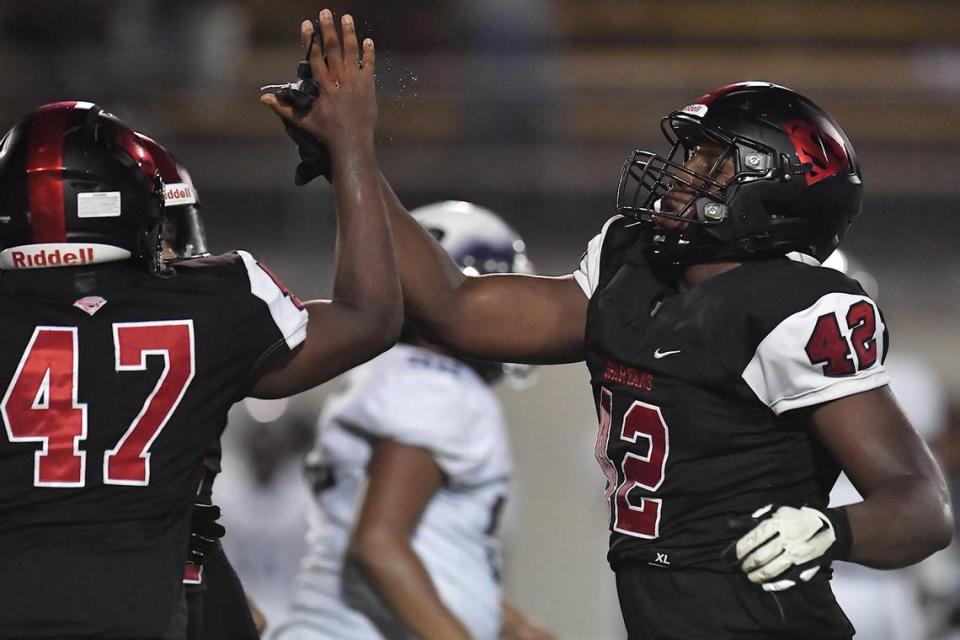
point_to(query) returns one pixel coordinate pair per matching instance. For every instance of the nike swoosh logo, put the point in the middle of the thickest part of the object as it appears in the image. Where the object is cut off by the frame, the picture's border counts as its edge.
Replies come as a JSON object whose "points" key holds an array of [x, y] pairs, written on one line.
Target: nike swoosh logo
{"points": [[663, 354]]}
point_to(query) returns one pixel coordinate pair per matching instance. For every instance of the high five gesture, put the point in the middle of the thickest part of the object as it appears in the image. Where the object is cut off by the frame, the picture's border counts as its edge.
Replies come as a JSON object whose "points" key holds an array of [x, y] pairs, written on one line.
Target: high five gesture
{"points": [[344, 106], [364, 316]]}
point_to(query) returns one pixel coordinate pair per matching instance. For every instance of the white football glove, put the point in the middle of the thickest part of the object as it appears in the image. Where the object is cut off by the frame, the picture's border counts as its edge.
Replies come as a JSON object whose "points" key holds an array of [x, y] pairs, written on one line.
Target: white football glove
{"points": [[792, 545]]}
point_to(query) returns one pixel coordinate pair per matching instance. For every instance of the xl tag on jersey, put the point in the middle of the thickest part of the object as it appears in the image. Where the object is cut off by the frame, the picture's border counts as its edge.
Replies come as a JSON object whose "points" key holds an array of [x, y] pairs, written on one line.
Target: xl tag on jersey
{"points": [[90, 304]]}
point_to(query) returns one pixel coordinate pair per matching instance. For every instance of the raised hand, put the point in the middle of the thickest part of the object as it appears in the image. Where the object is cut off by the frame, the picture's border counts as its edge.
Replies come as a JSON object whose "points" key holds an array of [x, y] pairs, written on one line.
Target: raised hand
{"points": [[365, 315], [345, 111]]}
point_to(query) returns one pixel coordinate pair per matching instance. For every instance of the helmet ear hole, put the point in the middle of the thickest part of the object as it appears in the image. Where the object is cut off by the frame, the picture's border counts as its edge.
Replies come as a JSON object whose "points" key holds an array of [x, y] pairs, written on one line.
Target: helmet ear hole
{"points": [[778, 210]]}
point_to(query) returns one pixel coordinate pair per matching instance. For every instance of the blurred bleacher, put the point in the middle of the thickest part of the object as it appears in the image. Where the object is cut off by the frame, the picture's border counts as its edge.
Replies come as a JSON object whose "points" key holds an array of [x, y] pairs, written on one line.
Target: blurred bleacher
{"points": [[521, 95]]}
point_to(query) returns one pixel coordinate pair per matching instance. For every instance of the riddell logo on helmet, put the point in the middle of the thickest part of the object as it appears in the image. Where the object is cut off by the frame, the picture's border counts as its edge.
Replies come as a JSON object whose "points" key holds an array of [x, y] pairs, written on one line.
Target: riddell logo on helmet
{"points": [[698, 110], [55, 258], [178, 193], [59, 254]]}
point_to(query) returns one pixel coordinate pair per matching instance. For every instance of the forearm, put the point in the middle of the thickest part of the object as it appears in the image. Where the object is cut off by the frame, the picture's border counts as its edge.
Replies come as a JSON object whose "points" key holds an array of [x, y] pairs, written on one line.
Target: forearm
{"points": [[430, 278], [366, 276], [905, 515], [500, 317], [900, 523], [393, 569]]}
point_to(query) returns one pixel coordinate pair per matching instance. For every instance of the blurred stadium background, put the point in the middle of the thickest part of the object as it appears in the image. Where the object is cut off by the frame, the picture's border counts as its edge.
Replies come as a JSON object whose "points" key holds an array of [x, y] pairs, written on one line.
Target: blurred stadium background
{"points": [[527, 107]]}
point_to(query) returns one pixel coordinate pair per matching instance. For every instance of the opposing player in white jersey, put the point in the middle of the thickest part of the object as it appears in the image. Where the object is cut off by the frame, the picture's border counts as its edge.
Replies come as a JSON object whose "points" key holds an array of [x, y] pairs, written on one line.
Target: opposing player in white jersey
{"points": [[410, 471]]}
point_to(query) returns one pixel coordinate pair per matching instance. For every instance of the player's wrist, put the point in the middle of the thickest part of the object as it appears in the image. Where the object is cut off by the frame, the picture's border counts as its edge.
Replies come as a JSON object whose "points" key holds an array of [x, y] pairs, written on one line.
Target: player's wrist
{"points": [[351, 142], [840, 521]]}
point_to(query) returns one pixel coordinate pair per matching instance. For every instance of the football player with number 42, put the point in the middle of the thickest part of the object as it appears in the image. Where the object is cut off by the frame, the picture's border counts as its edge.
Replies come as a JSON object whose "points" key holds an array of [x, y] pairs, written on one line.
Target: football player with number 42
{"points": [[733, 376]]}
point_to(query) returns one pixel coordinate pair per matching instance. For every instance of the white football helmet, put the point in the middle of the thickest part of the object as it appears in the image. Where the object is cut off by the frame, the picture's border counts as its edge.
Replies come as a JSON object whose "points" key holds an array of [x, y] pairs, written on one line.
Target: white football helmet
{"points": [[477, 239]]}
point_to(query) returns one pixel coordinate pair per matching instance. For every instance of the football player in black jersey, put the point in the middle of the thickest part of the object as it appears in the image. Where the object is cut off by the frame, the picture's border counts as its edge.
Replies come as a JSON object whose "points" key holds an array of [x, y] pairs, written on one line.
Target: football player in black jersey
{"points": [[217, 607], [117, 371], [733, 376]]}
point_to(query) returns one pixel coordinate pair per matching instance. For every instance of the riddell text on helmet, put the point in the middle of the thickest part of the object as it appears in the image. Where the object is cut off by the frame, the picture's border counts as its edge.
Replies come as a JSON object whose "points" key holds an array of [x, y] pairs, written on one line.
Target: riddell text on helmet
{"points": [[178, 193], [55, 258], [59, 254]]}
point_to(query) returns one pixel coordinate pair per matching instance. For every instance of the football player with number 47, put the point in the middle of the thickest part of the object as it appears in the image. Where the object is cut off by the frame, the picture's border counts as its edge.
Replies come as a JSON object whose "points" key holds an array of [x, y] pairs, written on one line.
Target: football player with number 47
{"points": [[733, 376], [117, 370]]}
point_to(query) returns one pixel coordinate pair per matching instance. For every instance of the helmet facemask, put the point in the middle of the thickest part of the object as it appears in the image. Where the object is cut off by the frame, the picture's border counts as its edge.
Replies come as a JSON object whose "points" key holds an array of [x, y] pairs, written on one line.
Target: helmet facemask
{"points": [[183, 234], [688, 201]]}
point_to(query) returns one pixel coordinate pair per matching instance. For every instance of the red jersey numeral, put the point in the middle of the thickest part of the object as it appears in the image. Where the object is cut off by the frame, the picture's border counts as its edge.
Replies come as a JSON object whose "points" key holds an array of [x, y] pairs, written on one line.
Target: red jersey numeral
{"points": [[862, 321], [828, 347], [129, 462], [640, 518], [40, 404], [643, 519], [603, 436], [831, 348]]}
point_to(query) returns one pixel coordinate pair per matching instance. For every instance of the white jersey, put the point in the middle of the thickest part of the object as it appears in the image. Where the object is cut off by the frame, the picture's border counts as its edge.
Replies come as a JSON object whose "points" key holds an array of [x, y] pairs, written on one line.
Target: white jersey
{"points": [[423, 399]]}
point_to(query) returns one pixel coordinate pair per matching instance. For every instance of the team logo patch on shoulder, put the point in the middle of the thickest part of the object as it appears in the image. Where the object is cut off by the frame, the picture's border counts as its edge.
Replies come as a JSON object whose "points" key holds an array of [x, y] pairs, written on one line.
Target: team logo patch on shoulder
{"points": [[90, 304]]}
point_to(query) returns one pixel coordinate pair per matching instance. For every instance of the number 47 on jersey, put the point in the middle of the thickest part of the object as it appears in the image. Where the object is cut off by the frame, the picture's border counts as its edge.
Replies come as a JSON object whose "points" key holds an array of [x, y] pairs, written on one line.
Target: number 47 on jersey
{"points": [[40, 403]]}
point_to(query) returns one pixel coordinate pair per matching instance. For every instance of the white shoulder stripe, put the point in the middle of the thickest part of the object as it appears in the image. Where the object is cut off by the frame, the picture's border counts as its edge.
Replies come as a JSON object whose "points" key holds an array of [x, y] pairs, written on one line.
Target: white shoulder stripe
{"points": [[289, 318], [587, 274], [790, 369]]}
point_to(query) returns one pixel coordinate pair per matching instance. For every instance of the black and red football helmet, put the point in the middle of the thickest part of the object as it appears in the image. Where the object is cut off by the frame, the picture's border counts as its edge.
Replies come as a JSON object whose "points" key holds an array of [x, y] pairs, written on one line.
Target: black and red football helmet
{"points": [[796, 183], [77, 186], [182, 232]]}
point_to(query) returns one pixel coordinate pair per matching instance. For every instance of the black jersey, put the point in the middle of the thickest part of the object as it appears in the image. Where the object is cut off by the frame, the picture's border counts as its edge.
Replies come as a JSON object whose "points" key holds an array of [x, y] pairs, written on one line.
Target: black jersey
{"points": [[114, 385], [693, 390]]}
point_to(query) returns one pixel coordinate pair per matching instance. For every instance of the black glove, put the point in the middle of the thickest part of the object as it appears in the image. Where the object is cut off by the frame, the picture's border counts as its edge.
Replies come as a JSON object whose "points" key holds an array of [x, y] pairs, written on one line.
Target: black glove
{"points": [[788, 545], [315, 159], [205, 532]]}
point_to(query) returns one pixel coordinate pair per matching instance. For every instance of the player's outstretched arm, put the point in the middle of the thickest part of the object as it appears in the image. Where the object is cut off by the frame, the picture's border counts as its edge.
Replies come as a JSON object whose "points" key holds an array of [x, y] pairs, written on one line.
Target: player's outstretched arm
{"points": [[401, 481], [906, 514], [365, 314], [509, 317]]}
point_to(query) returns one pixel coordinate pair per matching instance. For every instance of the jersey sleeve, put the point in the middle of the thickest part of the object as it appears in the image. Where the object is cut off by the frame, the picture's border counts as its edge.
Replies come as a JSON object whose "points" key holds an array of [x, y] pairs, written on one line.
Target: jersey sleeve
{"points": [[428, 409], [832, 349], [587, 274], [285, 311]]}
